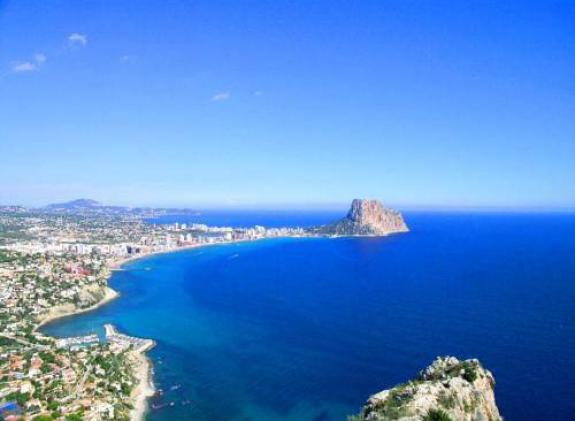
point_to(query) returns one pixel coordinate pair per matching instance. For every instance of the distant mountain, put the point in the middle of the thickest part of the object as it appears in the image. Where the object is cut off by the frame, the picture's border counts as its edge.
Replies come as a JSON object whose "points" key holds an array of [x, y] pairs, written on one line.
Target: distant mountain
{"points": [[75, 204], [92, 207], [365, 218]]}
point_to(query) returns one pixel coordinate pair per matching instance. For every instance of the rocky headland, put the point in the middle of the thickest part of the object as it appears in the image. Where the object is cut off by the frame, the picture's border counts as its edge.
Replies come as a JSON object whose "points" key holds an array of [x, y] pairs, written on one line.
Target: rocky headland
{"points": [[447, 390], [365, 218]]}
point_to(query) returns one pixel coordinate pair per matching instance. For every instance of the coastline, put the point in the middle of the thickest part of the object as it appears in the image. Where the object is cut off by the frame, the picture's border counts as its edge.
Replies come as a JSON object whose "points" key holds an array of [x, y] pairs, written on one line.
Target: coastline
{"points": [[116, 265], [96, 293], [143, 370], [142, 365], [68, 310]]}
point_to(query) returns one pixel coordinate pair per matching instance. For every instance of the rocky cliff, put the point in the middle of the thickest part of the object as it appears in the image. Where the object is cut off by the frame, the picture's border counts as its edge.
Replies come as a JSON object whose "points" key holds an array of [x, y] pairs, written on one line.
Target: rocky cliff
{"points": [[448, 389], [366, 218]]}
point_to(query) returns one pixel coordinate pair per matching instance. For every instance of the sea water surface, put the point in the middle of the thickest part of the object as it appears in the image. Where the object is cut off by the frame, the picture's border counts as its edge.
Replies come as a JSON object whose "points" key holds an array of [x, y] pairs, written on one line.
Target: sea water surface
{"points": [[307, 329]]}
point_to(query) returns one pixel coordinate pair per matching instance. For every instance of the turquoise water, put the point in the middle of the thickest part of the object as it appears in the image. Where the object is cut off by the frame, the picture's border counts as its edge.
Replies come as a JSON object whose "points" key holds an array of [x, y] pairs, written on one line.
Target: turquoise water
{"points": [[307, 329]]}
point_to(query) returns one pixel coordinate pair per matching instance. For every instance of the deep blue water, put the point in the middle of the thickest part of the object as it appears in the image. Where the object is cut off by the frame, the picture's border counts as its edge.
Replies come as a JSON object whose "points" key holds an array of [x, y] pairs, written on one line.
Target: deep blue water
{"points": [[307, 329]]}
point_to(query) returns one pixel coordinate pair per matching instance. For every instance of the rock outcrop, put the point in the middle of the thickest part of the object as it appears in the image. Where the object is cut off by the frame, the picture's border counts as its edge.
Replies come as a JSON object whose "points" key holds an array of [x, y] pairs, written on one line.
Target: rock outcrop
{"points": [[366, 218], [448, 389]]}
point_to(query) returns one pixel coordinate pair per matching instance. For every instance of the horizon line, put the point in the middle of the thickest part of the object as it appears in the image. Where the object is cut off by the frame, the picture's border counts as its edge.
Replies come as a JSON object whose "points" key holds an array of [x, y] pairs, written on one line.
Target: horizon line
{"points": [[329, 206]]}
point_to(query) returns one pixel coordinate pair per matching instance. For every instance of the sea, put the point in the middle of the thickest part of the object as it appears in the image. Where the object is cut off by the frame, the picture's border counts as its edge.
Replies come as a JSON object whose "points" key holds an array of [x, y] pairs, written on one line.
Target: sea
{"points": [[307, 329]]}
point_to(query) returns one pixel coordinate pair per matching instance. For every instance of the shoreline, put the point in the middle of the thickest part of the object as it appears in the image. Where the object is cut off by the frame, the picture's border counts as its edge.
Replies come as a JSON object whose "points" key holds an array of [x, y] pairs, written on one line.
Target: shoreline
{"points": [[145, 388], [141, 363], [143, 366], [60, 312], [143, 372], [117, 265]]}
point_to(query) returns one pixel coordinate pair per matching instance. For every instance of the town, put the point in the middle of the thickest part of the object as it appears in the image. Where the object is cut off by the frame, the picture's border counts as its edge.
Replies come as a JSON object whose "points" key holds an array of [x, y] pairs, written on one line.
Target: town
{"points": [[56, 262]]}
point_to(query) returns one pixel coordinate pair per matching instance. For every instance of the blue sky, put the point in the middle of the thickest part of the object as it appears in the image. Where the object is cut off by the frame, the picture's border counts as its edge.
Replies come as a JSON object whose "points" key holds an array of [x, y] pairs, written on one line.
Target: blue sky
{"points": [[287, 103]]}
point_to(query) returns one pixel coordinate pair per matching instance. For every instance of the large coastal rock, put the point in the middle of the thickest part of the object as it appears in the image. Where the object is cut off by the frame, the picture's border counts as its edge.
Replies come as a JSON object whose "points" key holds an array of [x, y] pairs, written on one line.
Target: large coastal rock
{"points": [[366, 218], [448, 389]]}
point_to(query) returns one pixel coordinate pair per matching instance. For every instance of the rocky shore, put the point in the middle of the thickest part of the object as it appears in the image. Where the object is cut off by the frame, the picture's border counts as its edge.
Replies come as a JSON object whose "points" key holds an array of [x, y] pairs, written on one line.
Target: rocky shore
{"points": [[99, 295]]}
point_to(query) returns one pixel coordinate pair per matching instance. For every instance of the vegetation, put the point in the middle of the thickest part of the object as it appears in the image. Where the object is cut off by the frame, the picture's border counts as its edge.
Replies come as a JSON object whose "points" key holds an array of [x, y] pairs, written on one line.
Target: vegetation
{"points": [[36, 280], [7, 257], [446, 400], [469, 372], [436, 415], [43, 418], [21, 398], [394, 406]]}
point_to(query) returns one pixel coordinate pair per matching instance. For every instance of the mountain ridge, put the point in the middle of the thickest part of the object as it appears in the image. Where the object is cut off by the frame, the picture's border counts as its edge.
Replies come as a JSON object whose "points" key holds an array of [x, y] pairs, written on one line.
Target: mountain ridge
{"points": [[75, 204]]}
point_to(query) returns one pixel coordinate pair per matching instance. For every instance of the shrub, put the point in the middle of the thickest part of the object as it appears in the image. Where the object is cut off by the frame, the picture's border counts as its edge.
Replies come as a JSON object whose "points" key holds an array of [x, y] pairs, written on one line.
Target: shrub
{"points": [[446, 400], [470, 374], [436, 415]]}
